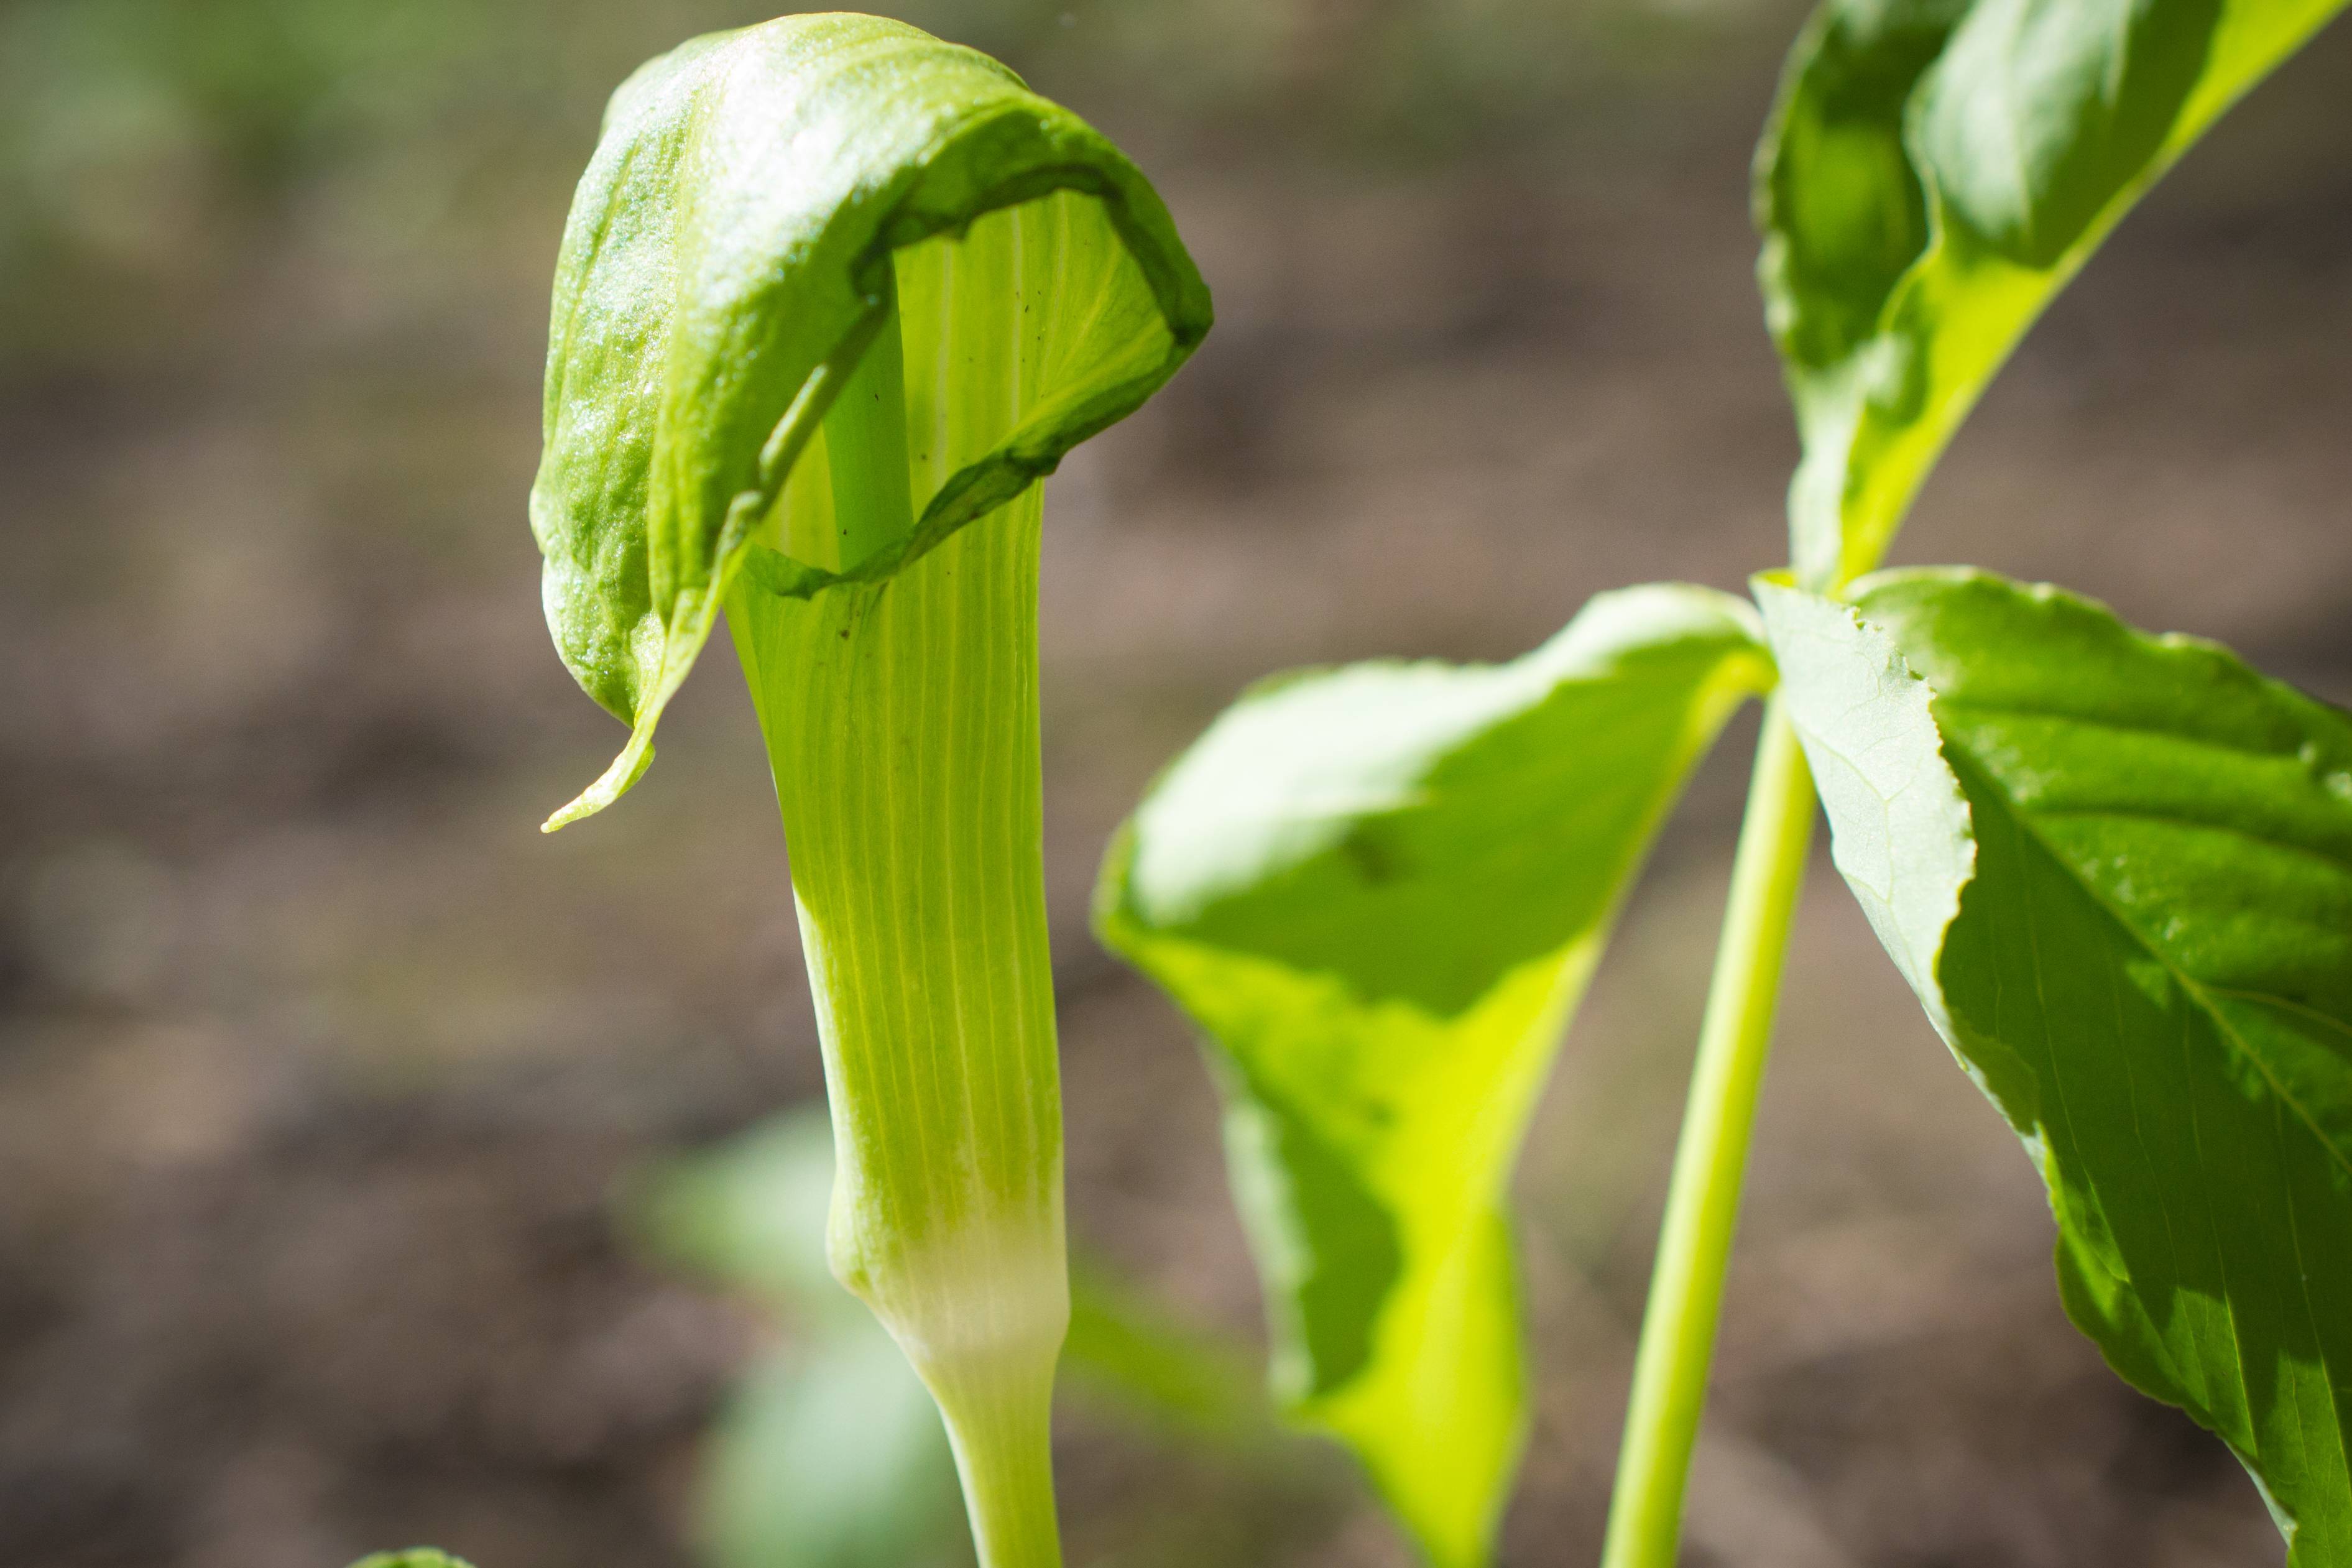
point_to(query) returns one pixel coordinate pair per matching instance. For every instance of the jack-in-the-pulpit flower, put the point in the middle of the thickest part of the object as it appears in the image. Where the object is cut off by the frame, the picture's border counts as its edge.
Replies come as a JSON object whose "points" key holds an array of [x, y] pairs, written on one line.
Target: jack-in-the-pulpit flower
{"points": [[833, 298]]}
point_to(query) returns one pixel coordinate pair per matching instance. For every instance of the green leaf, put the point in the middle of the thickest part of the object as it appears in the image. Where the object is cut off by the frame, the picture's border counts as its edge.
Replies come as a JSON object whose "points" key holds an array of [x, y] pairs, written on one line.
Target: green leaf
{"points": [[2118, 871], [1131, 1353], [831, 1458], [414, 1557], [1380, 890], [1936, 171], [830, 1453], [762, 207], [747, 1215]]}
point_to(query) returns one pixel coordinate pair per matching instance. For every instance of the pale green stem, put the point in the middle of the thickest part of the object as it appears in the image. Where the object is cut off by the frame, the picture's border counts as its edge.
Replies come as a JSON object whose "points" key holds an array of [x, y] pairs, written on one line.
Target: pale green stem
{"points": [[1003, 1456], [1670, 1370], [901, 722]]}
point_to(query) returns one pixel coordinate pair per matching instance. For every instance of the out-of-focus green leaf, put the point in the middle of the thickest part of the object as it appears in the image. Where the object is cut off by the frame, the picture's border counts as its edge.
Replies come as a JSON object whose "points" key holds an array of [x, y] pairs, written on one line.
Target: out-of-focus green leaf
{"points": [[764, 204], [1130, 1351], [831, 1457], [414, 1557], [2118, 871], [1380, 890], [830, 1453], [749, 1214], [1936, 171]]}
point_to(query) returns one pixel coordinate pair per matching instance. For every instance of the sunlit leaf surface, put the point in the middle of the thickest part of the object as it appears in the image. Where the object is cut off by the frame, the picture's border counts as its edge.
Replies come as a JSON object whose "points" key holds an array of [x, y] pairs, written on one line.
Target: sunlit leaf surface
{"points": [[1380, 891], [2118, 870], [1937, 170]]}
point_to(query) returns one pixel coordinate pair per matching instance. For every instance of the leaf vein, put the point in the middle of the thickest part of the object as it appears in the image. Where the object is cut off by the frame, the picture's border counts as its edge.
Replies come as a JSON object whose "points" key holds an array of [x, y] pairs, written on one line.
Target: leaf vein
{"points": [[2191, 986], [2340, 864]]}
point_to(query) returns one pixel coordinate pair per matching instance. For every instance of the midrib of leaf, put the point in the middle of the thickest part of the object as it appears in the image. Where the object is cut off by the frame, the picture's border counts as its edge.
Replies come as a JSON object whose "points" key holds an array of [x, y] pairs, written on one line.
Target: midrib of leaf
{"points": [[2300, 1009]]}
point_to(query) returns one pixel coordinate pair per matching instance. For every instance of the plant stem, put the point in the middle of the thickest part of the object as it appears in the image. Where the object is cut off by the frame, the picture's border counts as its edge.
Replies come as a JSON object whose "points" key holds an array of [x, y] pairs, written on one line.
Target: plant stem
{"points": [[1670, 1370], [1004, 1455]]}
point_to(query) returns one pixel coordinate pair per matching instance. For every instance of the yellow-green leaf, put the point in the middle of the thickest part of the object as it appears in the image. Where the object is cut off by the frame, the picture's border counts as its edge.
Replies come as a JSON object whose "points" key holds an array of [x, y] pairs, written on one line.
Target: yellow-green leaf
{"points": [[1380, 891]]}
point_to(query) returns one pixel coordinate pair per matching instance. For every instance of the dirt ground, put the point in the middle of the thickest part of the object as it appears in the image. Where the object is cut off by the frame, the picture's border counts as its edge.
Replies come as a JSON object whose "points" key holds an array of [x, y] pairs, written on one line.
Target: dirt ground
{"points": [[318, 1064]]}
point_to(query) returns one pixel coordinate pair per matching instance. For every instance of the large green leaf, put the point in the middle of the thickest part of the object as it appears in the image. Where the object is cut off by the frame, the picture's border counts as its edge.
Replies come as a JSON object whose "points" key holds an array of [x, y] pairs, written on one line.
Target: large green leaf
{"points": [[762, 206], [1380, 890], [1934, 171], [2118, 870]]}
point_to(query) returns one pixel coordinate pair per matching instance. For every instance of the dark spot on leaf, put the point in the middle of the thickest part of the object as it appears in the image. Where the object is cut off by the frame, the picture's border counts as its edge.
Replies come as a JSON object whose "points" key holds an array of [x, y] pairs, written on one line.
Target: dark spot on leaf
{"points": [[1375, 861]]}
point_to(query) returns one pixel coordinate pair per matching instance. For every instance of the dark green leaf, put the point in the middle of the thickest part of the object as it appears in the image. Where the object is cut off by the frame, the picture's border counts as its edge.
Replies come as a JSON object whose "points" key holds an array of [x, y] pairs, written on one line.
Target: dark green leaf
{"points": [[761, 207], [2118, 871], [1936, 171], [1380, 890]]}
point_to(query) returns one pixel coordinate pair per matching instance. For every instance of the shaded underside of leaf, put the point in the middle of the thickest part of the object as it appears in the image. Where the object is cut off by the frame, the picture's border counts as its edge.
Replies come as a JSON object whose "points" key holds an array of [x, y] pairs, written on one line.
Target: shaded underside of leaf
{"points": [[761, 204], [1936, 171], [2147, 964], [1380, 890]]}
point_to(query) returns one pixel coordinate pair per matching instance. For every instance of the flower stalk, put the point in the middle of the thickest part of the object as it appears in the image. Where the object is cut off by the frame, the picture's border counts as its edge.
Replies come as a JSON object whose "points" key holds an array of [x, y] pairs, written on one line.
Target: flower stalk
{"points": [[1677, 1343]]}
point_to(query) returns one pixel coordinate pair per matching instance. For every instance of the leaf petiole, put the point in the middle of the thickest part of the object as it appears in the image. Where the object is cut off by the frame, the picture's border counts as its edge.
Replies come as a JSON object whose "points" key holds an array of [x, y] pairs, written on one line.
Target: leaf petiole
{"points": [[1677, 1344]]}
